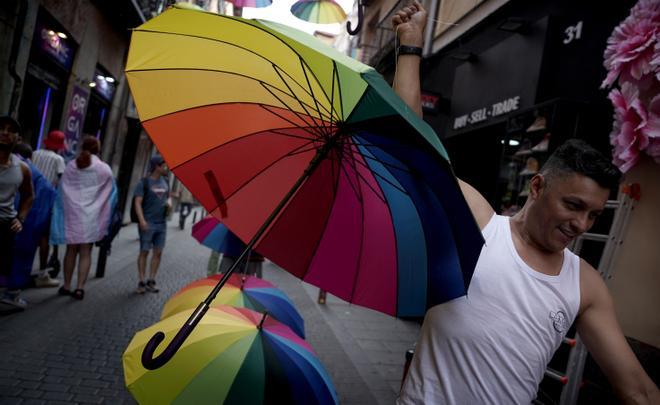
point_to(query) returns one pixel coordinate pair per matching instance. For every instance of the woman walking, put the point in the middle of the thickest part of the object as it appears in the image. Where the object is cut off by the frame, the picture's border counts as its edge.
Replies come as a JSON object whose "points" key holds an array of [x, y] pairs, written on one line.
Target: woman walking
{"points": [[82, 212]]}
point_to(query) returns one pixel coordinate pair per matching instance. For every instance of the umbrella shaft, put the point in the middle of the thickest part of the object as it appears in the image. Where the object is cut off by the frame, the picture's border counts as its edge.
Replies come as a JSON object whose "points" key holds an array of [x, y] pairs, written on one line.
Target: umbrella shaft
{"points": [[320, 155]]}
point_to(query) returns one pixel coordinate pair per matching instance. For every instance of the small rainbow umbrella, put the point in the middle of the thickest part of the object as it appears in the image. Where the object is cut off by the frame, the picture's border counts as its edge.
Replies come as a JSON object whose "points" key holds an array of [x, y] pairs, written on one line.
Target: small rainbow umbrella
{"points": [[251, 3], [214, 235], [234, 356], [239, 291], [318, 11]]}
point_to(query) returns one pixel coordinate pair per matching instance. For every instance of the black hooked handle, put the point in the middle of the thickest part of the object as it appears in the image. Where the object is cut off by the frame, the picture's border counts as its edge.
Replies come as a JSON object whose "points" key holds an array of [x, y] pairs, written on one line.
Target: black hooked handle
{"points": [[150, 362], [359, 23]]}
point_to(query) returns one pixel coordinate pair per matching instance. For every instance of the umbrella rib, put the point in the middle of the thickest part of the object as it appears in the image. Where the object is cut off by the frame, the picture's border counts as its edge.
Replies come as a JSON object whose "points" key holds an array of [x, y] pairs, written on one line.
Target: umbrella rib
{"points": [[335, 73], [274, 162], [277, 131], [313, 127], [304, 150], [379, 176], [384, 163], [323, 115], [325, 111], [357, 270], [309, 85], [297, 99], [354, 160], [332, 91], [309, 129], [235, 140], [350, 183], [364, 179], [240, 47]]}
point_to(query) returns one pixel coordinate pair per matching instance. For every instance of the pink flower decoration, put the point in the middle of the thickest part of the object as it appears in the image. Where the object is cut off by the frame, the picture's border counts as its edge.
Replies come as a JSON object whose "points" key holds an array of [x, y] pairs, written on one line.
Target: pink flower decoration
{"points": [[652, 129], [628, 136], [655, 62], [653, 150], [631, 47]]}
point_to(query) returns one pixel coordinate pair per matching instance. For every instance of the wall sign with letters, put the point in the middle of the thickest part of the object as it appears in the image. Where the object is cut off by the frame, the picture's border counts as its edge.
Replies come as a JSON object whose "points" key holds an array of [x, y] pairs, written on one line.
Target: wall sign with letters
{"points": [[483, 114]]}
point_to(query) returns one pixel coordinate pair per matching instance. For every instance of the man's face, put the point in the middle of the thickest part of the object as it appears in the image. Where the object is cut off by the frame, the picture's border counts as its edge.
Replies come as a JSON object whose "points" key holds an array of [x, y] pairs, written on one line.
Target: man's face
{"points": [[162, 169], [8, 135], [566, 208]]}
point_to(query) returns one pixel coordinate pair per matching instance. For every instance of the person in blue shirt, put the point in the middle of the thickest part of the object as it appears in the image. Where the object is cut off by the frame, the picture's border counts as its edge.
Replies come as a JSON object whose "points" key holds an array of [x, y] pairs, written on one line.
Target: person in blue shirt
{"points": [[152, 204]]}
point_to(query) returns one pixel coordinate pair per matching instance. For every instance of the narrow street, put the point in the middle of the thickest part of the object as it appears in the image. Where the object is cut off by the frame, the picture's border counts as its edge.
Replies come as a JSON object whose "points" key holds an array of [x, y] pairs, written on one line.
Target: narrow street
{"points": [[65, 351]]}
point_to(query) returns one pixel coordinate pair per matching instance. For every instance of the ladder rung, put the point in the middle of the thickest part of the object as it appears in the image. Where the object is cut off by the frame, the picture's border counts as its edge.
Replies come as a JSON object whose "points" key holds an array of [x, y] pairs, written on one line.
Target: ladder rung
{"points": [[556, 375], [598, 237]]}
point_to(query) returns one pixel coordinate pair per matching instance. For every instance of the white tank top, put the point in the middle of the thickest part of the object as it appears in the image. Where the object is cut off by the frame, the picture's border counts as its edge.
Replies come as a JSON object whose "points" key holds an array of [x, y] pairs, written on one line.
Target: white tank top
{"points": [[493, 345]]}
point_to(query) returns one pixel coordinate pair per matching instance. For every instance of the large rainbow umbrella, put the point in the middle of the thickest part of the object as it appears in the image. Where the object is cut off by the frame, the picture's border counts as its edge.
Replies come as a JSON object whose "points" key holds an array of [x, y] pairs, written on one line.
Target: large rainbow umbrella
{"points": [[234, 356], [240, 291], [307, 154], [319, 11]]}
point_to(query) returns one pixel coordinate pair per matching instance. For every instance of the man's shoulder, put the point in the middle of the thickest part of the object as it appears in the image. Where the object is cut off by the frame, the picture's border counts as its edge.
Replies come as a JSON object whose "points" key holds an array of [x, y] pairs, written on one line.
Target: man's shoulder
{"points": [[592, 285]]}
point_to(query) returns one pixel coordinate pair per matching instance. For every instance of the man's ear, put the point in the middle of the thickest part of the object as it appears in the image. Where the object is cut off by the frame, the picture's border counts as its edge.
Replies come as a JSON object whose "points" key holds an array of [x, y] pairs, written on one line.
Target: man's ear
{"points": [[537, 185]]}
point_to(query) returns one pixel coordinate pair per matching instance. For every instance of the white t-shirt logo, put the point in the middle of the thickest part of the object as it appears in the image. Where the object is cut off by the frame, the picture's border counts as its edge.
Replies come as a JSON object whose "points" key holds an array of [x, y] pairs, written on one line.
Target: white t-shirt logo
{"points": [[559, 321]]}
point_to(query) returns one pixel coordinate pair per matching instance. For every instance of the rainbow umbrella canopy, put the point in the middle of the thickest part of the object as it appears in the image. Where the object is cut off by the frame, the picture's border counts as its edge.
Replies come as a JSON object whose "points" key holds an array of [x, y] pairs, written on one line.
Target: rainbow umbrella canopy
{"points": [[307, 154], [234, 356], [319, 11], [216, 236], [251, 3], [240, 291]]}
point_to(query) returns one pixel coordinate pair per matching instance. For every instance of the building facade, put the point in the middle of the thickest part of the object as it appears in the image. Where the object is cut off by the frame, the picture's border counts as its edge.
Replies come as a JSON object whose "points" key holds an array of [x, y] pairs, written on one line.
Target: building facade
{"points": [[62, 67]]}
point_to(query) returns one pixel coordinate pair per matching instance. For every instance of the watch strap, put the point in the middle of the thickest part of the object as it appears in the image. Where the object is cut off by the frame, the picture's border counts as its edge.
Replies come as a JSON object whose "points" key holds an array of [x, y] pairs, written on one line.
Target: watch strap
{"points": [[409, 50]]}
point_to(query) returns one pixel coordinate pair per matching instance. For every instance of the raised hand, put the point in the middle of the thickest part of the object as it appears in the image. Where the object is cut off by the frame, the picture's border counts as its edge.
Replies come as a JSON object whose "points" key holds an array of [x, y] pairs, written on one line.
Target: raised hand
{"points": [[409, 23]]}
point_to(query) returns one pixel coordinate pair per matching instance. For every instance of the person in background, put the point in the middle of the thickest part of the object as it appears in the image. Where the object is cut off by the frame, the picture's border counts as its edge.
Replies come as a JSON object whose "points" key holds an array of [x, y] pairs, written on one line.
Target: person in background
{"points": [[35, 226], [493, 345], [81, 216], [186, 201], [51, 165], [152, 205], [15, 178]]}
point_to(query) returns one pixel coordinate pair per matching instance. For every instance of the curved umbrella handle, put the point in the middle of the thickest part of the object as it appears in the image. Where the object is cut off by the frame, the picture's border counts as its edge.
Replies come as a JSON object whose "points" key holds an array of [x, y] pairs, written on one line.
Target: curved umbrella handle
{"points": [[151, 363], [359, 23]]}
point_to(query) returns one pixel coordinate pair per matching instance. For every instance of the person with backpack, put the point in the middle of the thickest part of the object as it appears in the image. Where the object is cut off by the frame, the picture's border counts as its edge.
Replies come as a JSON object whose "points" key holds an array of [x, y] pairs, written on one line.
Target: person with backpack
{"points": [[152, 205]]}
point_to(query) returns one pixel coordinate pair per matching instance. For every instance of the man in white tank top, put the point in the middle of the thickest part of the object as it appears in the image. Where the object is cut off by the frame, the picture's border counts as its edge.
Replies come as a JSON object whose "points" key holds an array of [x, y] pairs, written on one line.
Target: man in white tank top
{"points": [[493, 345]]}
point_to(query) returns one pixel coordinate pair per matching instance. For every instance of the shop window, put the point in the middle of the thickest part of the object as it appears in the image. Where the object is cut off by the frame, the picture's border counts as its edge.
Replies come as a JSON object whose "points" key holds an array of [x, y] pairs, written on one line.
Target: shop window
{"points": [[100, 100], [42, 100], [525, 148]]}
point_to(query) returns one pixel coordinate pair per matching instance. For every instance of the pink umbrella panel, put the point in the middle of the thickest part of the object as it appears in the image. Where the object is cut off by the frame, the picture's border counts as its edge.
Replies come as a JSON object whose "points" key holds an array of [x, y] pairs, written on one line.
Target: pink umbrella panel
{"points": [[251, 3]]}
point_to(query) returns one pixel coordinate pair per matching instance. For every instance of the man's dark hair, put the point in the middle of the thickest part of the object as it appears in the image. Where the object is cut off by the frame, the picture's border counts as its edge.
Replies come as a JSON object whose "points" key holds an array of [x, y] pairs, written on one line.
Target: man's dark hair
{"points": [[576, 156], [24, 150]]}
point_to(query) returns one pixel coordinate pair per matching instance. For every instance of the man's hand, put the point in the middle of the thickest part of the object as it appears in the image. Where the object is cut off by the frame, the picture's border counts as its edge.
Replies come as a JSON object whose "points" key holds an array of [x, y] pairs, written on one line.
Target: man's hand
{"points": [[144, 226], [16, 225], [409, 23]]}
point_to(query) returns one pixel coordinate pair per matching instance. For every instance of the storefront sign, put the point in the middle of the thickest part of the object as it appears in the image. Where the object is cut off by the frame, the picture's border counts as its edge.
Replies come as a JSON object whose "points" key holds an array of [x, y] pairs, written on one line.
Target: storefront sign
{"points": [[57, 48], [484, 113], [74, 120]]}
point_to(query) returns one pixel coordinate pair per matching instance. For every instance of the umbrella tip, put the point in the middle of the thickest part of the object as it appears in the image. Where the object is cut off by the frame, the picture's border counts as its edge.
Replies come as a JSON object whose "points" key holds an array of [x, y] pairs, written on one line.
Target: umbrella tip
{"points": [[261, 324]]}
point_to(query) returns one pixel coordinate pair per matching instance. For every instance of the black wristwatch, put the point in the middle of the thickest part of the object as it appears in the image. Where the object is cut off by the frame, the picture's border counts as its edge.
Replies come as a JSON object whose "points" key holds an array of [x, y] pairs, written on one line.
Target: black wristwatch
{"points": [[410, 50]]}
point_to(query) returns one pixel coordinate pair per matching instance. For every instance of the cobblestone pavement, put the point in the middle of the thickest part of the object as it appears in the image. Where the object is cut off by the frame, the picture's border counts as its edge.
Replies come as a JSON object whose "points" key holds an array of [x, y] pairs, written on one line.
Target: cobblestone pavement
{"points": [[65, 351]]}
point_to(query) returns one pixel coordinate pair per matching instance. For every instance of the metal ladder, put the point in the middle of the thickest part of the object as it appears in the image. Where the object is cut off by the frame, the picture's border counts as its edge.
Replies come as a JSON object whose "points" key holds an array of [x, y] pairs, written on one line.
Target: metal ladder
{"points": [[572, 378]]}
